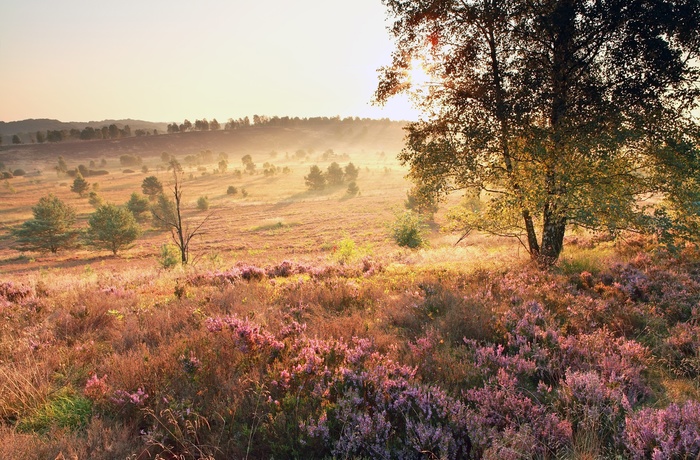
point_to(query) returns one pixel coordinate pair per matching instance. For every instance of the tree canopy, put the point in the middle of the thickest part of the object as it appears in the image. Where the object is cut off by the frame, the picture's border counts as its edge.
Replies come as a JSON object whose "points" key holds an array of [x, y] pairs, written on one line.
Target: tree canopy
{"points": [[51, 229], [552, 113], [112, 227]]}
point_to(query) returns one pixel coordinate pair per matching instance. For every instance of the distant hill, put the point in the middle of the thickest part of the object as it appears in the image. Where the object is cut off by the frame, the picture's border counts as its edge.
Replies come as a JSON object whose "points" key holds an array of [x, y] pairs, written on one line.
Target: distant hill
{"points": [[315, 137], [31, 126]]}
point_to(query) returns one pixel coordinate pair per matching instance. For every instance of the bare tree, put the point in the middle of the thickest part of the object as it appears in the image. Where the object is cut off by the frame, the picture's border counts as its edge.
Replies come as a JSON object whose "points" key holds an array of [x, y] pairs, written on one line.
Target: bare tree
{"points": [[180, 230]]}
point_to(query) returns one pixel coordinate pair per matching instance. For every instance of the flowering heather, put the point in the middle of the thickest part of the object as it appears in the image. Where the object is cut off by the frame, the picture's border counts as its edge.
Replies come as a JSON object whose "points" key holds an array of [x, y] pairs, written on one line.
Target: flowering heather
{"points": [[14, 292], [246, 335], [673, 432], [96, 388], [138, 398]]}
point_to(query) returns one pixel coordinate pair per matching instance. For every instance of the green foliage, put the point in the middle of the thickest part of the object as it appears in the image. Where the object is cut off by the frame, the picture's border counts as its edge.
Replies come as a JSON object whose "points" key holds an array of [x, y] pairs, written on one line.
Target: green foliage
{"points": [[112, 227], [151, 187], [408, 230], [66, 409], [169, 256], [80, 185], [137, 204], [421, 201], [51, 229], [163, 212], [203, 203], [95, 199], [315, 180], [525, 104], [346, 251]]}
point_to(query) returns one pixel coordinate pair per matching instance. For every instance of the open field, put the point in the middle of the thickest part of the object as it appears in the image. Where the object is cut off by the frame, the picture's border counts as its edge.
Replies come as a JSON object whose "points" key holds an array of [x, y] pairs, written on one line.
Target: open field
{"points": [[274, 343]]}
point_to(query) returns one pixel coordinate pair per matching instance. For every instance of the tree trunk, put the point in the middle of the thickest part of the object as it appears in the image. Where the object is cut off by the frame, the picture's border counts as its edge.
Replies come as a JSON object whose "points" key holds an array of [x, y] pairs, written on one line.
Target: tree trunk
{"points": [[552, 239]]}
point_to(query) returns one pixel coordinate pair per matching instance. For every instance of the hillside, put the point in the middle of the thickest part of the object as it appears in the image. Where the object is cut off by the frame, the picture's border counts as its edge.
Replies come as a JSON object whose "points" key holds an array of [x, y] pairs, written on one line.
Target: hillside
{"points": [[27, 128], [369, 135]]}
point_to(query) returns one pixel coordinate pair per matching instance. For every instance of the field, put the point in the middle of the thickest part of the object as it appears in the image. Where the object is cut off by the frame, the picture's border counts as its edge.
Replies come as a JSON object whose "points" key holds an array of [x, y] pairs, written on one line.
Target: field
{"points": [[301, 330]]}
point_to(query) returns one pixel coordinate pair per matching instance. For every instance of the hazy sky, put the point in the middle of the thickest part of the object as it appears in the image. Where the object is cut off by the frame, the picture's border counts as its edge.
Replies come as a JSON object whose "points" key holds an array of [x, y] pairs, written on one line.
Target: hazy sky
{"points": [[83, 60]]}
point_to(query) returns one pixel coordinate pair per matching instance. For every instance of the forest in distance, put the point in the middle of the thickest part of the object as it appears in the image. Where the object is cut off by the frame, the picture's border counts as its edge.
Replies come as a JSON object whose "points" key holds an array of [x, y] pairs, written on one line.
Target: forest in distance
{"points": [[516, 275]]}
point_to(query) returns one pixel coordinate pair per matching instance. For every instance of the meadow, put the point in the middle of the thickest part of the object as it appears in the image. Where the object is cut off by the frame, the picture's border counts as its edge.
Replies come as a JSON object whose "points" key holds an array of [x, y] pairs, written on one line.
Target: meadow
{"points": [[301, 330]]}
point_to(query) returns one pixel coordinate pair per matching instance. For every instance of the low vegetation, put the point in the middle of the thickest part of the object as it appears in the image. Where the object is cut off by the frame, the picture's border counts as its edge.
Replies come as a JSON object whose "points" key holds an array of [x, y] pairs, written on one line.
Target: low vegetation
{"points": [[363, 359], [301, 328]]}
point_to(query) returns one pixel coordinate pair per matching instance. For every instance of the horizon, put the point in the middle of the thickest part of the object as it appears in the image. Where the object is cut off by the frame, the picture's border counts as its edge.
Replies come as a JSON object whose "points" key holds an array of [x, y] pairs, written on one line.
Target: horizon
{"points": [[168, 61]]}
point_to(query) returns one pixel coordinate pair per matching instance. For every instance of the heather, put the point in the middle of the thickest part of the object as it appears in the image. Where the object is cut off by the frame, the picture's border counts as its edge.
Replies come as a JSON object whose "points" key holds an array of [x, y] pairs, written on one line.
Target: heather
{"points": [[394, 357]]}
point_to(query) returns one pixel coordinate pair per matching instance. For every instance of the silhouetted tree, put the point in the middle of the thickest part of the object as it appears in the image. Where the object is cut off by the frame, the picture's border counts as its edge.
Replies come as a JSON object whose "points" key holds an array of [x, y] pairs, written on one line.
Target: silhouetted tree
{"points": [[315, 180], [151, 187]]}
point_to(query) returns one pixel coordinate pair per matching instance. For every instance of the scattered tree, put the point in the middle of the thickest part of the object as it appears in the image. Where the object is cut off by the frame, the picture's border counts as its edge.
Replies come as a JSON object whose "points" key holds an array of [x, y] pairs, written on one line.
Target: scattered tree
{"points": [[315, 180], [350, 173], [555, 113], [51, 229], [80, 185], [137, 204], [16, 139], [151, 187], [334, 174], [111, 227], [172, 219]]}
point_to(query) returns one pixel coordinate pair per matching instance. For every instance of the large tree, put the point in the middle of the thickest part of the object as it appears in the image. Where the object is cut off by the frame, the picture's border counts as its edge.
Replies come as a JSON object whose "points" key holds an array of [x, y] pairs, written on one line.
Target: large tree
{"points": [[552, 112], [112, 227], [51, 229]]}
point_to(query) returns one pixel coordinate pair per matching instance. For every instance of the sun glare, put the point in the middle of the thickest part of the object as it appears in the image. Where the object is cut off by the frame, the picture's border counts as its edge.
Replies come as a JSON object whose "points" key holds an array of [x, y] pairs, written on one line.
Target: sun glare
{"points": [[418, 75]]}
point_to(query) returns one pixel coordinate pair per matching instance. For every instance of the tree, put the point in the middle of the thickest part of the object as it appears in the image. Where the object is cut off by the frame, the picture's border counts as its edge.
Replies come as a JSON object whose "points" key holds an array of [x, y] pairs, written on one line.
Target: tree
{"points": [[40, 137], [51, 229], [111, 227], [151, 187], [137, 205], [170, 216], [247, 161], [351, 173], [555, 113], [315, 180], [334, 174], [16, 139], [80, 185]]}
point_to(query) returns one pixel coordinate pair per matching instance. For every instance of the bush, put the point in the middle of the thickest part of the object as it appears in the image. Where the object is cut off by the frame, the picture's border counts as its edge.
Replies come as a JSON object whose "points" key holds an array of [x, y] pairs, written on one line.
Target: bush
{"points": [[169, 256], [353, 189], [19, 172], [408, 230], [203, 203], [231, 190]]}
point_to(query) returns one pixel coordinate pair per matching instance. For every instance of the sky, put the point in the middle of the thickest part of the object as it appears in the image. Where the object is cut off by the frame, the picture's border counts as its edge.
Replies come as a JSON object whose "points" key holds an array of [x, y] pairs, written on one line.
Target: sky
{"points": [[164, 61]]}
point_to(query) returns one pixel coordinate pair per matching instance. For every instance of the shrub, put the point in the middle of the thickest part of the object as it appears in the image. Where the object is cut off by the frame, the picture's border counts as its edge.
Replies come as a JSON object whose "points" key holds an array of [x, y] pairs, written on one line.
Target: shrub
{"points": [[231, 190], [169, 256], [203, 203], [408, 230], [19, 172], [353, 189]]}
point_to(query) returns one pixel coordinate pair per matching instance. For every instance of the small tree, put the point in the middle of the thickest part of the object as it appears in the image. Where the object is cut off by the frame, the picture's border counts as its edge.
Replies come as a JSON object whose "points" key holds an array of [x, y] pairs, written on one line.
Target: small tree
{"points": [[151, 187], [334, 174], [170, 216], [315, 180], [351, 173], [408, 230], [51, 229], [80, 185], [112, 227], [137, 204], [203, 203]]}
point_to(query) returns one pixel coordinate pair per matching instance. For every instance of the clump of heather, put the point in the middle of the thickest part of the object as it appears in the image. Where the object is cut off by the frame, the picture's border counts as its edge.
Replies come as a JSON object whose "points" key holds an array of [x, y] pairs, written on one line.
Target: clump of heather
{"points": [[673, 432]]}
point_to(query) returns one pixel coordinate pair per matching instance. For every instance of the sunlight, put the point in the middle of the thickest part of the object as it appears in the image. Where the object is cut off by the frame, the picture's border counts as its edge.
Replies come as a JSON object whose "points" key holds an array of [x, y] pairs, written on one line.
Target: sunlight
{"points": [[418, 75]]}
